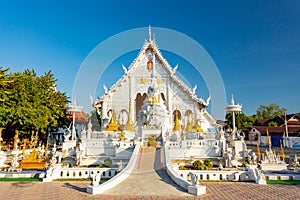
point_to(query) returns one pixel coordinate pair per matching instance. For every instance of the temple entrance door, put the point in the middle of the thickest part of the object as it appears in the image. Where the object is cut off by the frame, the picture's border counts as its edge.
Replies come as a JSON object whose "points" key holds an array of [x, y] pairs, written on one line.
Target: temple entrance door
{"points": [[152, 140], [139, 102]]}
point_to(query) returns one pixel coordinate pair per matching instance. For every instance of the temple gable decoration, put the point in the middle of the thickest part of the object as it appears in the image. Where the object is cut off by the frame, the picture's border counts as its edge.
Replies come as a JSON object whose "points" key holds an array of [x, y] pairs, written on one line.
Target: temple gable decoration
{"points": [[149, 77]]}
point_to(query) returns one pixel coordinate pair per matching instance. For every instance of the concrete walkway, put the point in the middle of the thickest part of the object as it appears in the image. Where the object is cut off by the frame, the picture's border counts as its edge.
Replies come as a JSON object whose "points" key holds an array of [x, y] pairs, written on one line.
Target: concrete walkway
{"points": [[77, 190], [148, 181], [148, 177]]}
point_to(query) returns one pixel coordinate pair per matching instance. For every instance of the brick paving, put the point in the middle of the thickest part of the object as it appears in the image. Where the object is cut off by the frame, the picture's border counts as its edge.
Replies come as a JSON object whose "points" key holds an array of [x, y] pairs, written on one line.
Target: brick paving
{"points": [[146, 183], [77, 190]]}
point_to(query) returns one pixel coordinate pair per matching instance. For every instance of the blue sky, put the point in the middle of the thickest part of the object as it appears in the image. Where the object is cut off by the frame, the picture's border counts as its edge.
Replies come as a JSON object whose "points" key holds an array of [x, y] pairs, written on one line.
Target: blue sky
{"points": [[255, 44]]}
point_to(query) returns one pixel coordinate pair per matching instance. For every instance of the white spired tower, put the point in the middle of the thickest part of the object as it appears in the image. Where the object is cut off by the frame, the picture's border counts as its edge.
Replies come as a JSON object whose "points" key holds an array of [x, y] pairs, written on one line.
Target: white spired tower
{"points": [[233, 108]]}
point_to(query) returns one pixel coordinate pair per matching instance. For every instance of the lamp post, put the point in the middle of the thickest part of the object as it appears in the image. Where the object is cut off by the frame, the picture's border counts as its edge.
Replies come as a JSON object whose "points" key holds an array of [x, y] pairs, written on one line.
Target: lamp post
{"points": [[233, 108], [74, 109]]}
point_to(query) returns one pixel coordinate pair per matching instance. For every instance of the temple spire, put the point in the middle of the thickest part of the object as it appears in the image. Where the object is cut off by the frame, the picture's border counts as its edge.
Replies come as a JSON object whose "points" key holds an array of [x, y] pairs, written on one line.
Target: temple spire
{"points": [[232, 100], [149, 32], [153, 65]]}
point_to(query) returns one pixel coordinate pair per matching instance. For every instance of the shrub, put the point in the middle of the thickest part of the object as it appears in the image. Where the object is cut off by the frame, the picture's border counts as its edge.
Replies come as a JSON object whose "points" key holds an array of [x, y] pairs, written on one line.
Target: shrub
{"points": [[245, 163], [181, 167], [202, 165], [107, 163], [208, 163]]}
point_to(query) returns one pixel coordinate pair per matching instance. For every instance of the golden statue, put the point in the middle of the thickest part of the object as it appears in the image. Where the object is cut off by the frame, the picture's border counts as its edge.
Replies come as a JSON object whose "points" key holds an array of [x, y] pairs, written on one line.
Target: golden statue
{"points": [[177, 122], [122, 136], [189, 127], [199, 128], [113, 125], [33, 161]]}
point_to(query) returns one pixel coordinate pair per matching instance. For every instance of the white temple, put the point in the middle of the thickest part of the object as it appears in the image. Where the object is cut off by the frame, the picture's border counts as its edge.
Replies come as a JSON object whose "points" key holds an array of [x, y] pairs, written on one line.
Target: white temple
{"points": [[151, 108], [149, 95]]}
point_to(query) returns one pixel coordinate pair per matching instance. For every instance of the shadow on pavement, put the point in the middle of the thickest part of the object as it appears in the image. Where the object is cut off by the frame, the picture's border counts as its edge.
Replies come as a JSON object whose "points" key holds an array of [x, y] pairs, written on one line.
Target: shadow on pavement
{"points": [[74, 187], [161, 170]]}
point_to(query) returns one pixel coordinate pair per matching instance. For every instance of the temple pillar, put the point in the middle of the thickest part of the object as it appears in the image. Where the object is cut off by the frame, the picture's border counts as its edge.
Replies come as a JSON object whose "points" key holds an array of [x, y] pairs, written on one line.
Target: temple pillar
{"points": [[104, 110], [131, 100], [169, 99]]}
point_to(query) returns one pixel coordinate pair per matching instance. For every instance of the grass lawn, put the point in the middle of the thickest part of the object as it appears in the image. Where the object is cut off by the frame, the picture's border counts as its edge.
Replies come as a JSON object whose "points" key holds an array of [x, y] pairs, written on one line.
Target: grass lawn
{"points": [[72, 179], [79, 179], [284, 182], [20, 179]]}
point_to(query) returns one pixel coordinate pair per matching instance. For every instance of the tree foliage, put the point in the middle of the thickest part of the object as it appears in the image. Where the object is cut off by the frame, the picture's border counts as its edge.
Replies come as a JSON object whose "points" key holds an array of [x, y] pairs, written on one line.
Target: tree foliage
{"points": [[4, 96], [272, 124], [95, 120], [31, 102], [243, 122], [269, 111]]}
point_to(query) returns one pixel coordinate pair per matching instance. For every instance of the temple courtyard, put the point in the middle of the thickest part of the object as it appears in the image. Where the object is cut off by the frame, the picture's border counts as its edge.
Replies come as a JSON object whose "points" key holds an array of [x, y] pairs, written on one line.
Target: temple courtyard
{"points": [[148, 181], [77, 190]]}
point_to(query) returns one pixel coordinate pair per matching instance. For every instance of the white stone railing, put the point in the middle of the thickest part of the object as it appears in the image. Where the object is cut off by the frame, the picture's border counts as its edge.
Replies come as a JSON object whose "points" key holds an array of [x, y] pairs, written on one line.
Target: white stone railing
{"points": [[98, 189], [194, 143], [58, 172], [87, 172], [215, 175], [183, 183], [274, 176]]}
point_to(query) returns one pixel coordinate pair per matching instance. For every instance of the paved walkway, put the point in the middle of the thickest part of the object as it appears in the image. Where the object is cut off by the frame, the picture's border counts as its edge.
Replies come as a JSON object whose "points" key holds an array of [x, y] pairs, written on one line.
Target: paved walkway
{"points": [[148, 181], [214, 191], [148, 177]]}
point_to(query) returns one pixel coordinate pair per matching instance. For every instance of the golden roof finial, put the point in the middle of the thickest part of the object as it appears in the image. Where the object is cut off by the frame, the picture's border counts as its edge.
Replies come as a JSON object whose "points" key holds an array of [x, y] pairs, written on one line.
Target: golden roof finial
{"points": [[130, 125], [258, 151], [269, 138], [282, 151]]}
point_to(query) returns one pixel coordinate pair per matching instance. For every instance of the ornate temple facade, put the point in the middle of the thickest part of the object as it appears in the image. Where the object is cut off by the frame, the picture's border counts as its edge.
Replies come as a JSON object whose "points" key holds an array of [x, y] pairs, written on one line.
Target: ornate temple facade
{"points": [[150, 83]]}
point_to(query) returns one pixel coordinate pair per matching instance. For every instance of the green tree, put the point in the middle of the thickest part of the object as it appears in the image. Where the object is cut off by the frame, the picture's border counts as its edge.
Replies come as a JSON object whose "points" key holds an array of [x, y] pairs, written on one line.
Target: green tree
{"points": [[22, 112], [95, 120], [272, 124], [269, 111], [34, 103], [243, 122], [5, 83]]}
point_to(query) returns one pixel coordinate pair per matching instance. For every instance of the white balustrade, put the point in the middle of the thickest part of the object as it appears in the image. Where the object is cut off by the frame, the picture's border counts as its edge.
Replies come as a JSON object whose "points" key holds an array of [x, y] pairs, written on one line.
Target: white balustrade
{"points": [[86, 172], [78, 173], [221, 175]]}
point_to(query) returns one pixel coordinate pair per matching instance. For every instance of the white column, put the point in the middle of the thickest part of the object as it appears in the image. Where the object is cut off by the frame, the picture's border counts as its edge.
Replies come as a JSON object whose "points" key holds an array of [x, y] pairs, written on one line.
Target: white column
{"points": [[131, 99], [104, 109], [169, 99]]}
